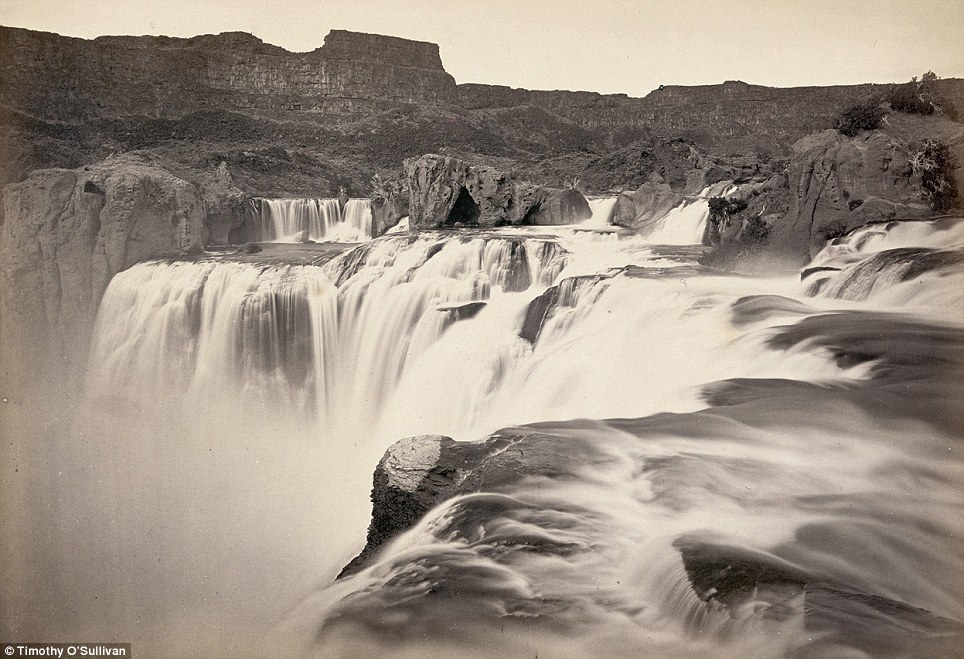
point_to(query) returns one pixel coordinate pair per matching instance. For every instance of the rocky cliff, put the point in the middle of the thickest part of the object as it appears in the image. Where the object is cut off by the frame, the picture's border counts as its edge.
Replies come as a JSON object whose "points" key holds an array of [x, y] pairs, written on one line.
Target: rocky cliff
{"points": [[65, 233], [73, 80], [833, 183]]}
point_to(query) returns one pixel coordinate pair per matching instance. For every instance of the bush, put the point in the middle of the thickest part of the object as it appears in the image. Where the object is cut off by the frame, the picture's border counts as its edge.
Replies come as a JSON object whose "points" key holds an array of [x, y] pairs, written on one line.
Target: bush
{"points": [[934, 166], [907, 98], [920, 97], [864, 116]]}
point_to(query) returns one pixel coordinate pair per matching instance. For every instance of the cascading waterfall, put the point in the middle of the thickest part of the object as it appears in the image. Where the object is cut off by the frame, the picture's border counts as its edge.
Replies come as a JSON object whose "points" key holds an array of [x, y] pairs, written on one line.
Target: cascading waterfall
{"points": [[683, 225], [321, 220], [889, 262], [602, 212], [793, 432]]}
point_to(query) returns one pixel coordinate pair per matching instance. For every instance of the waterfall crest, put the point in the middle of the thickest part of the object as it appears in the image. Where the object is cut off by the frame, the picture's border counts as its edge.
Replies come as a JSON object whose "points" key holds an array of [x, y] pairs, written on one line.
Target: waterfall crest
{"points": [[320, 220]]}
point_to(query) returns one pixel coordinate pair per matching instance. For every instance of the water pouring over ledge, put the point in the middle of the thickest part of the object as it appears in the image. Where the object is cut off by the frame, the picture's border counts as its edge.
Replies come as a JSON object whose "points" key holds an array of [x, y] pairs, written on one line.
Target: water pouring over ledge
{"points": [[319, 220], [764, 429]]}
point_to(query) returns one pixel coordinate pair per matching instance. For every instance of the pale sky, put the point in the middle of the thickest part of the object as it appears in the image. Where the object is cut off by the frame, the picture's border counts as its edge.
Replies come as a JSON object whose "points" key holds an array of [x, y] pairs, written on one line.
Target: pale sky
{"points": [[609, 46]]}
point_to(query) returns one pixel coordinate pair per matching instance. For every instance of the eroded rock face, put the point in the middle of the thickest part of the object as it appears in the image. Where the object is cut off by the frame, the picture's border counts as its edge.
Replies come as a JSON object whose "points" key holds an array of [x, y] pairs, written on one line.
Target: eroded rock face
{"points": [[831, 185], [560, 207], [838, 183], [225, 206], [65, 233], [386, 213], [448, 192]]}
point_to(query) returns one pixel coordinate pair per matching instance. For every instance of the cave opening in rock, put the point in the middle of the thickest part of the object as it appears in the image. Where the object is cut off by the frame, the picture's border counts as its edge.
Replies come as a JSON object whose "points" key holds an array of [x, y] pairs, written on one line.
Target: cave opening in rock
{"points": [[532, 215], [465, 210], [91, 188]]}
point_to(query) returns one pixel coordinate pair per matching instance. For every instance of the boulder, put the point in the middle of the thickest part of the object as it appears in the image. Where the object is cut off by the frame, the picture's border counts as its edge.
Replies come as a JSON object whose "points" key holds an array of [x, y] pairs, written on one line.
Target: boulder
{"points": [[652, 200], [65, 233], [386, 213], [448, 192], [559, 207]]}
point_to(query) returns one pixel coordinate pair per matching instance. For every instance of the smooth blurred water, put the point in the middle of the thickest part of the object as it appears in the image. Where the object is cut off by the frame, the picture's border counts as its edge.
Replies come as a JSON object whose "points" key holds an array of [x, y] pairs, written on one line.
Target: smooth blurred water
{"points": [[215, 477]]}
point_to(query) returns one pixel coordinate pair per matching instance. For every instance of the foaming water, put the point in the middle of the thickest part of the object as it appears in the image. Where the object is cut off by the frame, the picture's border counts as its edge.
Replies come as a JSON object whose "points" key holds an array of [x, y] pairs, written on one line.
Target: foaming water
{"points": [[683, 225], [898, 265], [320, 220], [217, 475], [602, 212]]}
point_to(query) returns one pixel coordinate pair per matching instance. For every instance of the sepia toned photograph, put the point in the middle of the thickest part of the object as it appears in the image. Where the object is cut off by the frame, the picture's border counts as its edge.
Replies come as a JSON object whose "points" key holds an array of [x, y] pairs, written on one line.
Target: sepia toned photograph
{"points": [[545, 329]]}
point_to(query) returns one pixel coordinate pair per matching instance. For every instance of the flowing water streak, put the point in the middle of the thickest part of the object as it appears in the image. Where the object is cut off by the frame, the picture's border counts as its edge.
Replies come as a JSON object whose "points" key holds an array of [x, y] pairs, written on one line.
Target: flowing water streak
{"points": [[321, 220], [602, 212], [214, 338], [899, 265], [683, 225]]}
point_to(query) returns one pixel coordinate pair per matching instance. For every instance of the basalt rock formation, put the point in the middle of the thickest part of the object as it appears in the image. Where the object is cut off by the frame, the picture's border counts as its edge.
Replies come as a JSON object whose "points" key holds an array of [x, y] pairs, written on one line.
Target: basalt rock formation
{"points": [[831, 185], [419, 474], [65, 233], [65, 79], [446, 191], [307, 124]]}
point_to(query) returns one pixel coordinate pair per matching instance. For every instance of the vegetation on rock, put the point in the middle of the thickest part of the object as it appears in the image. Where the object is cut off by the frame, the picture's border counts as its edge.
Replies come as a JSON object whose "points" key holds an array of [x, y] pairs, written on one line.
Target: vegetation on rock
{"points": [[933, 163], [920, 97], [863, 116]]}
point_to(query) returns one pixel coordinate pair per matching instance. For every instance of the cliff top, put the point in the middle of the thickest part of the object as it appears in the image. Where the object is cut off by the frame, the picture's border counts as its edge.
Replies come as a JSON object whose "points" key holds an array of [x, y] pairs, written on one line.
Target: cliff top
{"points": [[339, 44]]}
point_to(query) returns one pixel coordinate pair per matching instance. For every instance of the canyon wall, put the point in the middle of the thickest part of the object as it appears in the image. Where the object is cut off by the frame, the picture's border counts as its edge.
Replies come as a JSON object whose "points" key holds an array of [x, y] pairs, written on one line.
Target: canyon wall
{"points": [[65, 233], [65, 79]]}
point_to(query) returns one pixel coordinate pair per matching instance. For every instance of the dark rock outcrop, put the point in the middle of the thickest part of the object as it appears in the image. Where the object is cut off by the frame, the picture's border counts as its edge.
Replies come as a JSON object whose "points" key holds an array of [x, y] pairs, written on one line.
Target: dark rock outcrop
{"points": [[225, 205], [415, 475], [447, 192], [832, 184], [386, 213], [828, 171], [559, 207]]}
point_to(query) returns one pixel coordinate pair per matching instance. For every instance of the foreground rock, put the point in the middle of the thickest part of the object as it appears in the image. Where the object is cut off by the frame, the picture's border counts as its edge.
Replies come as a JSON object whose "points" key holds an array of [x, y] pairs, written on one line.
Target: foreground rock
{"points": [[447, 192]]}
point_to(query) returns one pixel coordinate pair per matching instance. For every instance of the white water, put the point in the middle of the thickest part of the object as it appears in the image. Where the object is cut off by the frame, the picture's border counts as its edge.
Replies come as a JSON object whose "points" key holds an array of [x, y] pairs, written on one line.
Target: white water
{"points": [[683, 225], [321, 220], [870, 271], [602, 213], [237, 411]]}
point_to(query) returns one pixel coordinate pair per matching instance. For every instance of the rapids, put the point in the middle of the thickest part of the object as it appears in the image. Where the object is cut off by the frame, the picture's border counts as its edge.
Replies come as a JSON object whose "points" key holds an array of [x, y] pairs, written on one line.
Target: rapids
{"points": [[709, 463]]}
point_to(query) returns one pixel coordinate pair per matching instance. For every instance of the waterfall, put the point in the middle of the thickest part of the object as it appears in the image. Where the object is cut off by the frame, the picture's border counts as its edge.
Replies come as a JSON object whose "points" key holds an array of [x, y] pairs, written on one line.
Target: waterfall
{"points": [[888, 263], [714, 464], [602, 212], [683, 225], [320, 220]]}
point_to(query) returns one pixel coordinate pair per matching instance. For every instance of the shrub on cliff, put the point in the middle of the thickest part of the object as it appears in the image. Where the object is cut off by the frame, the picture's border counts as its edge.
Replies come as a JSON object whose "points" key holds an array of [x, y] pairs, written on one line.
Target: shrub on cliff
{"points": [[860, 117], [920, 97], [934, 165]]}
